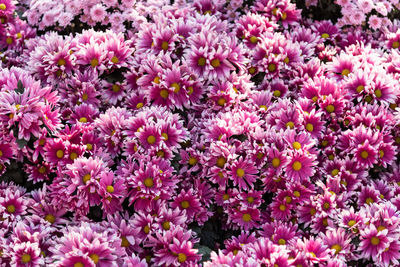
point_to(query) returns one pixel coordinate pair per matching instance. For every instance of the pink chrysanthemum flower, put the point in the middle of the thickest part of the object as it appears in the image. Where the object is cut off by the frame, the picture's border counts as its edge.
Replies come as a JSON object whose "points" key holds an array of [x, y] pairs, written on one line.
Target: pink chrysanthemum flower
{"points": [[98, 13], [373, 242], [243, 173], [339, 242], [246, 218], [299, 167], [26, 254], [188, 201]]}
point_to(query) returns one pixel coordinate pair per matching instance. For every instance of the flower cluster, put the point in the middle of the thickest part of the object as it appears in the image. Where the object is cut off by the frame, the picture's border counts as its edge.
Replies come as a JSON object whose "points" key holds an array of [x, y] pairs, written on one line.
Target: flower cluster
{"points": [[371, 13], [144, 133]]}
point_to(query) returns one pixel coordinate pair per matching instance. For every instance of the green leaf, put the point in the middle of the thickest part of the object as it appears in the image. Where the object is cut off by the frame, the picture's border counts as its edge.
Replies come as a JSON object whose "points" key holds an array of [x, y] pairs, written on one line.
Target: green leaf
{"points": [[20, 88], [22, 143], [205, 251]]}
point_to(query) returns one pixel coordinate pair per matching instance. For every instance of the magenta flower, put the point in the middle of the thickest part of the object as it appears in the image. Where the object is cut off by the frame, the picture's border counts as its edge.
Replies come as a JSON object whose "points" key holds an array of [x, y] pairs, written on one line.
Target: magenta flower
{"points": [[373, 242], [299, 167]]}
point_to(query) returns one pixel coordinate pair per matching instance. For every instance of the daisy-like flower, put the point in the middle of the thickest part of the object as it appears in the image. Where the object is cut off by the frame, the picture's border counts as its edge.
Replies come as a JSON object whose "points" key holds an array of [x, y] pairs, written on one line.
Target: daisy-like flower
{"points": [[98, 13], [243, 173], [366, 155], [339, 242], [299, 167], [26, 254], [315, 249], [373, 242], [188, 201], [246, 218], [14, 204]]}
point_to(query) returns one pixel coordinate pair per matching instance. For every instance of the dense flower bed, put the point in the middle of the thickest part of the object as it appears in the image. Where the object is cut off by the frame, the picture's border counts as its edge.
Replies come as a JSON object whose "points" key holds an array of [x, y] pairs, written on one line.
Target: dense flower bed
{"points": [[213, 133]]}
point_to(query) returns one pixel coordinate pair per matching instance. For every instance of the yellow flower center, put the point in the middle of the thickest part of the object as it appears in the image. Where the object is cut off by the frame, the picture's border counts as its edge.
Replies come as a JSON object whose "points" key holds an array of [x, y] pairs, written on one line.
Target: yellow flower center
{"points": [[335, 172], [290, 124], [345, 72], [201, 61], [176, 87], [253, 39], [284, 16], [146, 229], [9, 40], [139, 105], [378, 93], [165, 136], [369, 201], [73, 156], [240, 172], [381, 228], [246, 217], [124, 242], [190, 90], [3, 6], [263, 107], [296, 165], [337, 248], [325, 35], [282, 207], [148, 182], [116, 88], [395, 44], [94, 62], [42, 169], [288, 199], [375, 241], [277, 93], [110, 189], [296, 145], [192, 161], [309, 127], [281, 241], [89, 146], [221, 162], [215, 63], [364, 154], [156, 80], [85, 97], [225, 197], [271, 67], [61, 62], [252, 70], [296, 193], [276, 162], [94, 257], [164, 45], [86, 178], [26, 258], [60, 154], [114, 60], [166, 225], [79, 264], [326, 205], [164, 93], [313, 211], [360, 88], [351, 223], [11, 208], [151, 139], [185, 204], [221, 101], [182, 257], [50, 218], [330, 108], [250, 199], [286, 60]]}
